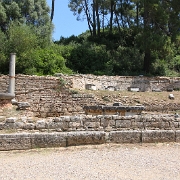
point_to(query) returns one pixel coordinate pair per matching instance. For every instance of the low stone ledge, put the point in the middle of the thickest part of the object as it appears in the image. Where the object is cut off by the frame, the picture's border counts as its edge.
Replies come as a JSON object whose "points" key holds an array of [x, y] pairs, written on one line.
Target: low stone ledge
{"points": [[153, 136], [25, 141], [86, 137], [45, 140], [125, 136], [178, 136], [15, 142]]}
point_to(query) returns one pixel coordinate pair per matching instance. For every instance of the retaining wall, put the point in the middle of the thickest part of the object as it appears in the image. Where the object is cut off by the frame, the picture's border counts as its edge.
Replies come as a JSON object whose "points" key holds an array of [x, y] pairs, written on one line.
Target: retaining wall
{"points": [[64, 139], [81, 130], [51, 96], [91, 123]]}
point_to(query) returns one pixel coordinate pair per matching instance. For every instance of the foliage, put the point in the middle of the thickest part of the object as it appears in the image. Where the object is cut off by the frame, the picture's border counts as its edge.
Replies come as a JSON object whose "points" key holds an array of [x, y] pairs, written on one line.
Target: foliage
{"points": [[46, 61], [126, 37]]}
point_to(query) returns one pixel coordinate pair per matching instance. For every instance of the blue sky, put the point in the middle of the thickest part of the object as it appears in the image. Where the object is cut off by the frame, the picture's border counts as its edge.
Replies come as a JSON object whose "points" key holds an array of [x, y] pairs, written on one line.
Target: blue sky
{"points": [[65, 22]]}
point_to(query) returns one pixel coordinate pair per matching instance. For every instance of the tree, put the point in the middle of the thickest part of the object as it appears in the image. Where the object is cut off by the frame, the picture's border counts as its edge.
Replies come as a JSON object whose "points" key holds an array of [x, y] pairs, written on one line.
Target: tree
{"points": [[29, 12]]}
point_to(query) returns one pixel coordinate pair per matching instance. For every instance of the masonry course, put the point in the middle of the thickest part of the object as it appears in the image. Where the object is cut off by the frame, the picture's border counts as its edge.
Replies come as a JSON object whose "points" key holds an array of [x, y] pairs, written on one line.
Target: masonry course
{"points": [[61, 120]]}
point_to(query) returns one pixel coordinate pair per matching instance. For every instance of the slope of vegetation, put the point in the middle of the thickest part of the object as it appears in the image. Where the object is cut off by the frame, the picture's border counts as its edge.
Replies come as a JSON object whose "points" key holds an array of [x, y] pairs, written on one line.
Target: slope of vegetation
{"points": [[125, 37]]}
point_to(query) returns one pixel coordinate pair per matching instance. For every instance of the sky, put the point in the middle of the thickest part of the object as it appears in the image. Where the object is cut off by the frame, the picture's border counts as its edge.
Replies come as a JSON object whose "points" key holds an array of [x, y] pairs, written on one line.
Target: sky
{"points": [[65, 22]]}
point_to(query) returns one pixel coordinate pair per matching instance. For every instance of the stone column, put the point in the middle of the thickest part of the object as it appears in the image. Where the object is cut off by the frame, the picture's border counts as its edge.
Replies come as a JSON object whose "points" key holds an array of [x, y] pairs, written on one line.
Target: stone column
{"points": [[11, 89]]}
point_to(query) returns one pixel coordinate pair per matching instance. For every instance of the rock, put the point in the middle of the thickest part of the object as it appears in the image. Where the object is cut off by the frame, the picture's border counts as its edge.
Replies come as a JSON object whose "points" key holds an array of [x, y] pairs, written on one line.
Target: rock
{"points": [[133, 89], [29, 126], [176, 115], [117, 104], [11, 120], [171, 96], [14, 102], [23, 105], [156, 90], [41, 124], [169, 89], [2, 118]]}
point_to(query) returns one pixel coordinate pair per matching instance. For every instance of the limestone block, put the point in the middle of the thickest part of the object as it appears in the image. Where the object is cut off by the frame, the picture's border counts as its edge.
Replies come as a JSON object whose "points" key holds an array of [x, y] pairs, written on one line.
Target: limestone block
{"points": [[137, 125], [23, 105], [19, 125], [131, 136], [44, 140], [65, 118], [77, 124], [1, 126], [75, 118], [165, 125], [58, 125], [92, 124], [106, 122], [29, 126], [123, 123], [171, 96], [11, 120], [85, 137], [2, 118], [178, 136], [175, 124], [40, 124], [15, 142], [151, 125], [152, 136]]}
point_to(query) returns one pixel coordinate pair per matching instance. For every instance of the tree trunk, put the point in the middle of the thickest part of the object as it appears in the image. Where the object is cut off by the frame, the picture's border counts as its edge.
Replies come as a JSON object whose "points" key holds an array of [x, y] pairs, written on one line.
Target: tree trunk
{"points": [[147, 50], [94, 18], [147, 60], [86, 9], [52, 10], [111, 15], [97, 16]]}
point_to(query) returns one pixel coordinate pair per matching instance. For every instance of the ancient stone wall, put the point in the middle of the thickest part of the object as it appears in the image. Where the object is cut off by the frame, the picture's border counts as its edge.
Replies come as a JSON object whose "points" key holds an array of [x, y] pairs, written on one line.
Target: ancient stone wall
{"points": [[25, 141], [51, 96], [124, 82], [91, 123], [27, 133]]}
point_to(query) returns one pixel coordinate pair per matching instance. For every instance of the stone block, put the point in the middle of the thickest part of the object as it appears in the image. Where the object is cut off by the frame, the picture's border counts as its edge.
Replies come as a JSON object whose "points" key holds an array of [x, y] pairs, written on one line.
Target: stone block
{"points": [[178, 136], [152, 136], [85, 137], [137, 125], [165, 125], [1, 126], [45, 140], [41, 124], [131, 136], [11, 120], [91, 125], [171, 96], [133, 89], [29, 126], [75, 124], [106, 122], [2, 118], [19, 125], [58, 125], [152, 125], [123, 123], [15, 142]]}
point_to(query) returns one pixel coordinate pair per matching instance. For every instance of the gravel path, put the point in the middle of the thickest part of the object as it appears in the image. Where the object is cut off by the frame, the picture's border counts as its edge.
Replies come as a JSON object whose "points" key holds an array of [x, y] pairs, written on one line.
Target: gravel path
{"points": [[104, 162]]}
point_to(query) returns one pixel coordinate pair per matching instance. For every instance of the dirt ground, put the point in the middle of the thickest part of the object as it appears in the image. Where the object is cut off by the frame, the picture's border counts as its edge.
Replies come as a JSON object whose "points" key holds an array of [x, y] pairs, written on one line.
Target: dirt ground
{"points": [[153, 101], [159, 161]]}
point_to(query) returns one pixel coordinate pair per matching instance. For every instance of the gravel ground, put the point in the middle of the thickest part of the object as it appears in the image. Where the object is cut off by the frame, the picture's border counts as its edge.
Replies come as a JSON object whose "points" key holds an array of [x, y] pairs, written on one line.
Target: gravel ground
{"points": [[105, 162]]}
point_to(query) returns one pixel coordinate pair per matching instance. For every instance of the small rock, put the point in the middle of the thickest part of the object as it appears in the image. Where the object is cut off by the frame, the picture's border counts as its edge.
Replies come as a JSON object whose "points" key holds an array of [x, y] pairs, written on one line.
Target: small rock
{"points": [[171, 96], [14, 102], [23, 105], [11, 120]]}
